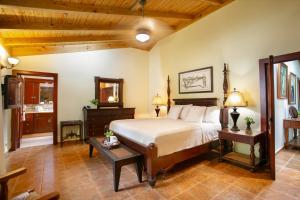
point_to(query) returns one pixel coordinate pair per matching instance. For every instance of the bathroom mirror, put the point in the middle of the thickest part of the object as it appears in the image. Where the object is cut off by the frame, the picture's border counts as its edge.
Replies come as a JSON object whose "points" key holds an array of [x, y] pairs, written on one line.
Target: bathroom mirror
{"points": [[109, 92]]}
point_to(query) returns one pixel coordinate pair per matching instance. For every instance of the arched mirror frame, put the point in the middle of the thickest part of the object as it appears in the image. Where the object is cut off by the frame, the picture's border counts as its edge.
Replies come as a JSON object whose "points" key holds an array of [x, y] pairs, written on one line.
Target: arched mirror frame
{"points": [[98, 80]]}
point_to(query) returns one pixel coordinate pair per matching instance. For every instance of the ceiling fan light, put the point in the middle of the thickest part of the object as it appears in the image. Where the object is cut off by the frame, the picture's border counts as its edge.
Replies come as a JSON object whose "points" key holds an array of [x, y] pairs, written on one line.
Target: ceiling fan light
{"points": [[142, 37]]}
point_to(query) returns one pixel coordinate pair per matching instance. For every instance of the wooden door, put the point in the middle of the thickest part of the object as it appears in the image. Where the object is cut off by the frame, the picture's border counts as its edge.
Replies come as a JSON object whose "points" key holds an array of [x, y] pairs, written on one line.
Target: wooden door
{"points": [[16, 117], [271, 116]]}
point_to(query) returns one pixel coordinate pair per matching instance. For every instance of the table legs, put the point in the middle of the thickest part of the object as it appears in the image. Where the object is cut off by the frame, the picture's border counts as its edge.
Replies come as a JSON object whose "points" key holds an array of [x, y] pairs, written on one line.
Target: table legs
{"points": [[286, 134], [139, 169], [295, 133], [117, 173], [91, 150], [262, 150], [221, 149], [252, 156]]}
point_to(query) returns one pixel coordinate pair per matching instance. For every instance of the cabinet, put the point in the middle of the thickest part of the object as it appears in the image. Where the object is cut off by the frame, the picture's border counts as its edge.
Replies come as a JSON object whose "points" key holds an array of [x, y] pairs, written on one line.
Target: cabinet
{"points": [[96, 119], [38, 123], [43, 122], [28, 124], [32, 90]]}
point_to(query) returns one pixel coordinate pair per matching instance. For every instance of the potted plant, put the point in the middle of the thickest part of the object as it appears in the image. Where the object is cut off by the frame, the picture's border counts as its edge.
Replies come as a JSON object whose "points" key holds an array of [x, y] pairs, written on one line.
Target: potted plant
{"points": [[107, 134], [249, 121], [95, 102]]}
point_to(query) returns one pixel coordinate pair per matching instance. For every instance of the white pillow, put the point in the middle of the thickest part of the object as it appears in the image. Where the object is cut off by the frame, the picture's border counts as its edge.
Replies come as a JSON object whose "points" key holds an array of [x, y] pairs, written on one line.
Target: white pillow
{"points": [[196, 114], [175, 111], [185, 111], [212, 115]]}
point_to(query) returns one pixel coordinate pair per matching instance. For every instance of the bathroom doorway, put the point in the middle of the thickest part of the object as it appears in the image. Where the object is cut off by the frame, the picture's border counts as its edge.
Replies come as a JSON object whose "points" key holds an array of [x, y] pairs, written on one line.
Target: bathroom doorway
{"points": [[37, 118]]}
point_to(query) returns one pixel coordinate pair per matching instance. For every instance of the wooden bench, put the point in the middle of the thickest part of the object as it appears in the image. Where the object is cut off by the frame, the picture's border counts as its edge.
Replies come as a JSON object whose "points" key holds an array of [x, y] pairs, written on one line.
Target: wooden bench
{"points": [[118, 157]]}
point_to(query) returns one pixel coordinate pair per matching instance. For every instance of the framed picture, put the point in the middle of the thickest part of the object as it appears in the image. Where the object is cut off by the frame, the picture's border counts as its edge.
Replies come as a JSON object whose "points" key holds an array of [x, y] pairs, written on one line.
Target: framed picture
{"points": [[292, 88], [282, 81], [196, 81]]}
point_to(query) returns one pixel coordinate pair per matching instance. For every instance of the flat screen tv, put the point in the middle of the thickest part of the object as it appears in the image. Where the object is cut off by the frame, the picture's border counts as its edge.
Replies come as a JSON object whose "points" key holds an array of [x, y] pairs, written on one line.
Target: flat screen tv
{"points": [[12, 89]]}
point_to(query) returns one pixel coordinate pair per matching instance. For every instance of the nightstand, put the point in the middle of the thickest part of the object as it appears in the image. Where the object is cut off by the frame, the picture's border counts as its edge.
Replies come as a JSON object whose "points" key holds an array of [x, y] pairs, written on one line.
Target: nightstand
{"points": [[247, 137]]}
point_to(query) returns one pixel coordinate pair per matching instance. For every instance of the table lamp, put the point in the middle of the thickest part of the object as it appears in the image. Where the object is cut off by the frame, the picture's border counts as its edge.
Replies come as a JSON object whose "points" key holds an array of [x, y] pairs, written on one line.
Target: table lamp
{"points": [[157, 101], [235, 99]]}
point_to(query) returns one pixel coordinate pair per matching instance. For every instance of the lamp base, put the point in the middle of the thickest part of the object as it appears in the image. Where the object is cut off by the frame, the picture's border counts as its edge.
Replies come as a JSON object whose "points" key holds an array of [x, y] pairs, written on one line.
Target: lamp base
{"points": [[157, 111], [235, 115], [235, 128]]}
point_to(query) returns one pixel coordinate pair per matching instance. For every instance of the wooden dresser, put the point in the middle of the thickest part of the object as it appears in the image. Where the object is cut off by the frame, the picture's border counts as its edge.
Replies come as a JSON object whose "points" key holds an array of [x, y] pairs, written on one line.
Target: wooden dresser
{"points": [[96, 119]]}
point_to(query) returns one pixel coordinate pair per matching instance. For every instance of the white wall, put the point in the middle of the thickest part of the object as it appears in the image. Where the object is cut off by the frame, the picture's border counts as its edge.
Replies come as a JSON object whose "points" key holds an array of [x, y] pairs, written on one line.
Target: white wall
{"points": [[76, 72], [239, 34], [281, 105], [3, 114]]}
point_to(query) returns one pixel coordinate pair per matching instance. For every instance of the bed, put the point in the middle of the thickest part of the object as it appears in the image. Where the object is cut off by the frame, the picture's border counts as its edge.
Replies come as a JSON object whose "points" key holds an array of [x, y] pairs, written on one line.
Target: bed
{"points": [[169, 135], [140, 135], [159, 157]]}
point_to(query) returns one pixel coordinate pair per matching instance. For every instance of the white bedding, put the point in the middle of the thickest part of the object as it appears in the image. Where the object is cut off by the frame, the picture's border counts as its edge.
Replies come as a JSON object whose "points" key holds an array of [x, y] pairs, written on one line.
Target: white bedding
{"points": [[169, 135]]}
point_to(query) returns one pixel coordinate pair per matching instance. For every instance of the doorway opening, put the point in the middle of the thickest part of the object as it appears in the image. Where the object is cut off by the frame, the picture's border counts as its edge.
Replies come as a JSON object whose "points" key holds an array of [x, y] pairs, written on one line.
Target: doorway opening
{"points": [[277, 94], [37, 117]]}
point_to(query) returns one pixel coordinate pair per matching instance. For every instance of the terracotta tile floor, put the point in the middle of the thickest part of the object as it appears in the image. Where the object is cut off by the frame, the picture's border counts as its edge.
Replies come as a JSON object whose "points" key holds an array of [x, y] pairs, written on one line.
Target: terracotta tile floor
{"points": [[71, 172]]}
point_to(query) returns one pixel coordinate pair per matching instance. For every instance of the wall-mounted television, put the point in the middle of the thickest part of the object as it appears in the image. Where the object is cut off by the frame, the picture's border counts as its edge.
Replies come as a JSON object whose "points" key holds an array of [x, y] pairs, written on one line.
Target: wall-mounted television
{"points": [[12, 89]]}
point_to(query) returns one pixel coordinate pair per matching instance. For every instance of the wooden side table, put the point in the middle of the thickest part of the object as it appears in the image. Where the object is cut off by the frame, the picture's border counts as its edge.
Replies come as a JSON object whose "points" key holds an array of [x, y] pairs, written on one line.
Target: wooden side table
{"points": [[70, 123], [119, 157], [294, 124], [246, 137]]}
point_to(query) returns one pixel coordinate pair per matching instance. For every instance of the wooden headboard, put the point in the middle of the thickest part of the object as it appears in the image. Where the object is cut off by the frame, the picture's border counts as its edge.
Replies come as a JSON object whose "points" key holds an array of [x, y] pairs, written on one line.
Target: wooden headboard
{"points": [[197, 101]]}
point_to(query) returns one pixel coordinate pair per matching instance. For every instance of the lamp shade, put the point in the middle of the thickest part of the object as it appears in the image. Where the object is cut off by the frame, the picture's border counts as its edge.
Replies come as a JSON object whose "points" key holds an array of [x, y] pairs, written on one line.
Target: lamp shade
{"points": [[157, 100], [12, 61], [235, 99]]}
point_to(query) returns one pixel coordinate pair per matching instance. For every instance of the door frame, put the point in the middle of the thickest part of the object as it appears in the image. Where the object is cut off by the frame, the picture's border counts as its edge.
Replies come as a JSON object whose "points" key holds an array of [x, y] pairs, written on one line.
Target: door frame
{"points": [[267, 97], [55, 100]]}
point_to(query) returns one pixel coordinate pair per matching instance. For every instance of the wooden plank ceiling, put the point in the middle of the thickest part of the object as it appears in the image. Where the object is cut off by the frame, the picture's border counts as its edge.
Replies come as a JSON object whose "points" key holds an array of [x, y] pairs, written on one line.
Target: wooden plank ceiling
{"points": [[33, 27]]}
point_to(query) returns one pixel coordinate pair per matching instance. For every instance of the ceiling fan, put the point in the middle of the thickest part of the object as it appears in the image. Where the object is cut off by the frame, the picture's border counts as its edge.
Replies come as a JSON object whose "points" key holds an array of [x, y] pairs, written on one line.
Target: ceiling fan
{"points": [[147, 29]]}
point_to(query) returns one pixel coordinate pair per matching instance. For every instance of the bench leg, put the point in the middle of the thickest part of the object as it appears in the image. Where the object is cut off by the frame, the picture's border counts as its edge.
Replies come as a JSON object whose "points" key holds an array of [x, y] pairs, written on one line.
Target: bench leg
{"points": [[91, 150], [139, 169], [152, 180], [117, 173]]}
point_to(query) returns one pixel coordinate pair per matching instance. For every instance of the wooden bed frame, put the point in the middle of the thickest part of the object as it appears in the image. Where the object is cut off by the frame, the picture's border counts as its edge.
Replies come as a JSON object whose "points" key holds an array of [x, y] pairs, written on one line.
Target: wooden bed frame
{"points": [[153, 163]]}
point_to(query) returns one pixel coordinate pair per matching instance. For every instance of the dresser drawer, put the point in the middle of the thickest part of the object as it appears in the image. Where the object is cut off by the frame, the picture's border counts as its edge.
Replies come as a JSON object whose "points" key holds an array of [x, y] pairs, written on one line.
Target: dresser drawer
{"points": [[95, 120]]}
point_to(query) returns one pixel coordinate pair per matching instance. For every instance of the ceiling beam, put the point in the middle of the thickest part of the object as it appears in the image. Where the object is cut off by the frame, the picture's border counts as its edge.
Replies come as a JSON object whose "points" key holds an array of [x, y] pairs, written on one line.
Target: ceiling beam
{"points": [[40, 49], [85, 8], [63, 40], [48, 26], [213, 2]]}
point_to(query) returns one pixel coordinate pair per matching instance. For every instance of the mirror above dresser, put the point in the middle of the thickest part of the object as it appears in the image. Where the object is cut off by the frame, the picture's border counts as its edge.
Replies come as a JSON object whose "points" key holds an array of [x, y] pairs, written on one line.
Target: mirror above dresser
{"points": [[109, 92]]}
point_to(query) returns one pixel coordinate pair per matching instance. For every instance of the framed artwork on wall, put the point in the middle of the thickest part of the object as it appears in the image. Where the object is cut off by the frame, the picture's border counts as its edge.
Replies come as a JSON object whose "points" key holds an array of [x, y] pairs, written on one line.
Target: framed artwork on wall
{"points": [[292, 88], [196, 81], [282, 81]]}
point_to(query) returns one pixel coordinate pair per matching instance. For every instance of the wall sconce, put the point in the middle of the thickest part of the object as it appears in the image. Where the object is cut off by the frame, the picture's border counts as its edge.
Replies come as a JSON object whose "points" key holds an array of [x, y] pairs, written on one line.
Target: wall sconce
{"points": [[12, 62]]}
